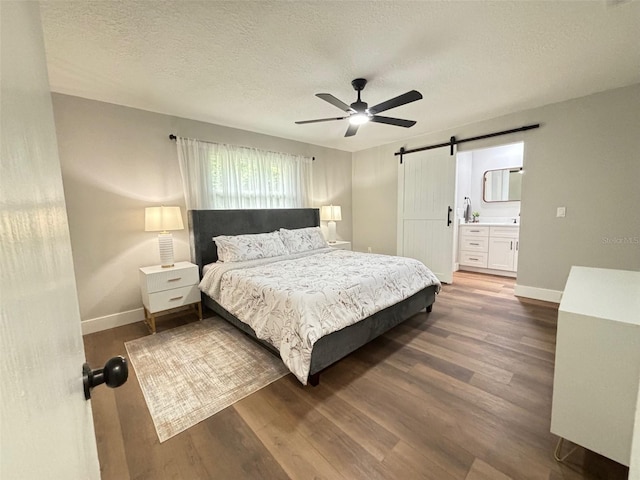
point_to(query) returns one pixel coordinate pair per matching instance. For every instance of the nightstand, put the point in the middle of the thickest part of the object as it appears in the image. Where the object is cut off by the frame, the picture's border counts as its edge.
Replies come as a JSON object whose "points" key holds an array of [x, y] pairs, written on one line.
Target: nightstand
{"points": [[341, 244], [164, 289]]}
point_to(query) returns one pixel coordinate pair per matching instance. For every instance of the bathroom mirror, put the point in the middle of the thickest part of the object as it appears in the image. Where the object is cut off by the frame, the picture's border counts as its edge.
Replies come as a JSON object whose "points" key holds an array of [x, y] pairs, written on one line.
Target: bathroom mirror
{"points": [[502, 185]]}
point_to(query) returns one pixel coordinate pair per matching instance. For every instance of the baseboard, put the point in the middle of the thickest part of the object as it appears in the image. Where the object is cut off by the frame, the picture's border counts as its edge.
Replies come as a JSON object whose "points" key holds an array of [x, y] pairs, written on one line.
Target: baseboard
{"points": [[544, 294], [488, 271], [98, 324]]}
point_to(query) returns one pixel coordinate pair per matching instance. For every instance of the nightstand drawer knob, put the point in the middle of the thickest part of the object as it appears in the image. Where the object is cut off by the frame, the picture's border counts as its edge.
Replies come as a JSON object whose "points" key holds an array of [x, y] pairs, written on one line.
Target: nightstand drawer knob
{"points": [[176, 298], [174, 279]]}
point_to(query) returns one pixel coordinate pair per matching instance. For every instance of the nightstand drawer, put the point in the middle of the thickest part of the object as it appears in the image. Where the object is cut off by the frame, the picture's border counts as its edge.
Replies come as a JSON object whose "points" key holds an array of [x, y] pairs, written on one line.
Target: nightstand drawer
{"points": [[166, 279], [176, 297], [476, 259]]}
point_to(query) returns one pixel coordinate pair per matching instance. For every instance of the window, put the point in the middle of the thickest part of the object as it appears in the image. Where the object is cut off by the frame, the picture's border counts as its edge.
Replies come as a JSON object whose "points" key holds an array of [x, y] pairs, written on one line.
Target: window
{"points": [[219, 176]]}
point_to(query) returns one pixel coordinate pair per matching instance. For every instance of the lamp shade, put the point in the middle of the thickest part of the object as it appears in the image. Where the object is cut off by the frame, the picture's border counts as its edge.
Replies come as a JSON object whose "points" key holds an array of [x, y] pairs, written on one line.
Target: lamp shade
{"points": [[331, 213], [162, 219]]}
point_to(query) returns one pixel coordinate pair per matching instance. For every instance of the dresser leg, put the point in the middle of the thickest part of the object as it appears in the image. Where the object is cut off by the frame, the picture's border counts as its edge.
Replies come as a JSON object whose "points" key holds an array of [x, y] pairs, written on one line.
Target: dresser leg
{"points": [[556, 453], [199, 307]]}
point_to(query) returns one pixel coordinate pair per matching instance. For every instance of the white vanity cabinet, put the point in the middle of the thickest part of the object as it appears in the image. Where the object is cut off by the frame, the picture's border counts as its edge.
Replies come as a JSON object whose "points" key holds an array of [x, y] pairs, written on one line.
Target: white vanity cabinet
{"points": [[489, 248], [474, 245], [503, 248]]}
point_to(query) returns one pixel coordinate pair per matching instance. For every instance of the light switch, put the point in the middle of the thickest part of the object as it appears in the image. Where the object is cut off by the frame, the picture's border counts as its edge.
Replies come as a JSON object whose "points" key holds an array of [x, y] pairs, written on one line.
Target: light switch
{"points": [[561, 212]]}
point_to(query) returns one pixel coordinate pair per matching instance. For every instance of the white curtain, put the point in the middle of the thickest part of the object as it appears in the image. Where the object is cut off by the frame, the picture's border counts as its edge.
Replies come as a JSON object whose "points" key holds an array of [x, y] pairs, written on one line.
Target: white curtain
{"points": [[218, 176]]}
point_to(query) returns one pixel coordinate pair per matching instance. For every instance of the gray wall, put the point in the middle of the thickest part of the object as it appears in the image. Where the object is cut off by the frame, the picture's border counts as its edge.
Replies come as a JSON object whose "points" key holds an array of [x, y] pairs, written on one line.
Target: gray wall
{"points": [[116, 161], [585, 156]]}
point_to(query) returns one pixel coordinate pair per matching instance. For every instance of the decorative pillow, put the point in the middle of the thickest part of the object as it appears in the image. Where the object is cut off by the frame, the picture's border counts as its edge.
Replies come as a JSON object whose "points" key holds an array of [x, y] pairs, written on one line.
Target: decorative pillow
{"points": [[237, 248], [303, 239]]}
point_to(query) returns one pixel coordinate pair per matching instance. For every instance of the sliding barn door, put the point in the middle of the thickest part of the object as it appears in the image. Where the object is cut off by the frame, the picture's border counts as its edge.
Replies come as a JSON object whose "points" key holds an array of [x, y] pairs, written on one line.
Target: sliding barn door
{"points": [[426, 195]]}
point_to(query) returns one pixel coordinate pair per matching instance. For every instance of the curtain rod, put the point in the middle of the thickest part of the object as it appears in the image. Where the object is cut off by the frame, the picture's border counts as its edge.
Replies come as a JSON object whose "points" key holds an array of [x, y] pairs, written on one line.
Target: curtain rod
{"points": [[453, 141], [173, 137]]}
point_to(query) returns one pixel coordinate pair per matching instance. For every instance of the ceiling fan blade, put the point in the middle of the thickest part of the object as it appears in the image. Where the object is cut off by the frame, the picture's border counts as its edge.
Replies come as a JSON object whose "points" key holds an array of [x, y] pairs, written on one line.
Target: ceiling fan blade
{"points": [[403, 99], [327, 97], [398, 122], [302, 122], [351, 131]]}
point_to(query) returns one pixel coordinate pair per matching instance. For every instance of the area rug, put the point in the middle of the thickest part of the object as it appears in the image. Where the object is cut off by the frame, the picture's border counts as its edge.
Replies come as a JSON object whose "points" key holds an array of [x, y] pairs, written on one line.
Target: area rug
{"points": [[192, 372]]}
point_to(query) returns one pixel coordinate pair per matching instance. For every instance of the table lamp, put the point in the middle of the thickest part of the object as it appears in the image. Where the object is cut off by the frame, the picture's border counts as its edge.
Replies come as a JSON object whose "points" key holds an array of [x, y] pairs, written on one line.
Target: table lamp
{"points": [[331, 214], [163, 219]]}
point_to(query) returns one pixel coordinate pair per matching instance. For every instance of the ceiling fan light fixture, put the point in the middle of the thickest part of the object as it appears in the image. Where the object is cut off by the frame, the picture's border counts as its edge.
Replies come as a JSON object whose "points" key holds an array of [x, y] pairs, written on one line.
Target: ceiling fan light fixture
{"points": [[358, 119], [359, 112]]}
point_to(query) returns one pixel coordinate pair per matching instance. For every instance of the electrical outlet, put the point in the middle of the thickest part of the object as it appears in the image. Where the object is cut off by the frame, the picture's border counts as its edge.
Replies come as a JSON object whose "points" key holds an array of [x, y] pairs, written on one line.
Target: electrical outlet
{"points": [[561, 212], [368, 249]]}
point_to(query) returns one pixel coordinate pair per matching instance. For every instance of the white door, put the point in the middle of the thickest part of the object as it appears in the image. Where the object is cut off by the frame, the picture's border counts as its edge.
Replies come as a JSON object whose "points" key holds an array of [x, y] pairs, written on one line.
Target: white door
{"points": [[46, 423], [426, 196]]}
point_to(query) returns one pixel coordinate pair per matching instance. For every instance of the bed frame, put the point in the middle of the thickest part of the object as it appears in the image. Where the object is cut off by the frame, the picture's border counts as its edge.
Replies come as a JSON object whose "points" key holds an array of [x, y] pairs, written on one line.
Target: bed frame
{"points": [[206, 224]]}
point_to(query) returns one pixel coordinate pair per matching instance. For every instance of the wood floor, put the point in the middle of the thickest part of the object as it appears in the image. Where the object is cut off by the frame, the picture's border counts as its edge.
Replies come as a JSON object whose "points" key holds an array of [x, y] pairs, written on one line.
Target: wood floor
{"points": [[463, 392]]}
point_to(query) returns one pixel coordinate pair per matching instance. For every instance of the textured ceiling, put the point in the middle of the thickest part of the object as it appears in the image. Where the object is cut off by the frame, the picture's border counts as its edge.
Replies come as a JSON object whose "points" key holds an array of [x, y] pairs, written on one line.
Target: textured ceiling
{"points": [[258, 65]]}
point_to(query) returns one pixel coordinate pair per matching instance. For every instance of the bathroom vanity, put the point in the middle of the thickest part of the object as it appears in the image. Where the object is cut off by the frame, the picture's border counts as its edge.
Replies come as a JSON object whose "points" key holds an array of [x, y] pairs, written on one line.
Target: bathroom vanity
{"points": [[489, 248]]}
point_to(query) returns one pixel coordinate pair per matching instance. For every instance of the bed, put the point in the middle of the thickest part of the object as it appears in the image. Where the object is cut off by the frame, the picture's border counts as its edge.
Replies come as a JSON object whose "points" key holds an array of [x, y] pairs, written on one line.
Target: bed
{"points": [[206, 224]]}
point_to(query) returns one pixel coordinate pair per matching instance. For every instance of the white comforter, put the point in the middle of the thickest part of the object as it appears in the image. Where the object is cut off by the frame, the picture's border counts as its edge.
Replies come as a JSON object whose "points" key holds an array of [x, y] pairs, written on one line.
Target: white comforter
{"points": [[294, 300]]}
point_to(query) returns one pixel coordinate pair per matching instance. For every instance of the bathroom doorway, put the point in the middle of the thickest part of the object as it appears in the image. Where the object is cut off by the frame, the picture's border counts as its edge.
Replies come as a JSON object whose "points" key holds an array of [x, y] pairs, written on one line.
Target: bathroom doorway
{"points": [[488, 186]]}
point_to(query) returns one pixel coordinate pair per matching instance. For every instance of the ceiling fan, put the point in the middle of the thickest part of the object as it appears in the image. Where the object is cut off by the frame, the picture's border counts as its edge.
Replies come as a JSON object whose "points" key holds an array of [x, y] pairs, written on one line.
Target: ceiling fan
{"points": [[359, 111]]}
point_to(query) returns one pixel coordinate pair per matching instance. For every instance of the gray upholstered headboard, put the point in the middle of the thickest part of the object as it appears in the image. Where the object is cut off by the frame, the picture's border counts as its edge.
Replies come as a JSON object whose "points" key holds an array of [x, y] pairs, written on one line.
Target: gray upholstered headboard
{"points": [[206, 224]]}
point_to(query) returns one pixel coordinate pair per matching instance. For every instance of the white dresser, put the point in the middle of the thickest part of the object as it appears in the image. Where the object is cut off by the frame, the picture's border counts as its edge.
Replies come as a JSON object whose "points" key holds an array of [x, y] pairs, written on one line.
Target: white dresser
{"points": [[168, 288], [597, 366]]}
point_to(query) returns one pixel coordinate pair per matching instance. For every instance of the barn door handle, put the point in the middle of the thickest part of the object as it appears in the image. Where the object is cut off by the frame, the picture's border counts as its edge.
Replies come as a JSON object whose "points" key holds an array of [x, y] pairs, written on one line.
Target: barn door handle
{"points": [[449, 210], [114, 374]]}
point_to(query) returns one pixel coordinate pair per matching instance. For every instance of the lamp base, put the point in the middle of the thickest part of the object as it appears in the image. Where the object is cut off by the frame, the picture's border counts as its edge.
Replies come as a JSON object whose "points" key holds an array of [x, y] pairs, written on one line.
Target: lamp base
{"points": [[332, 231], [165, 242]]}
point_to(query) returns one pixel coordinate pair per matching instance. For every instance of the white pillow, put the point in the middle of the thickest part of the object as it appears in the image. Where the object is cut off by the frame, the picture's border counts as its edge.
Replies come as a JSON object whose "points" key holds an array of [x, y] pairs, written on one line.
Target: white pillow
{"points": [[238, 248], [303, 239]]}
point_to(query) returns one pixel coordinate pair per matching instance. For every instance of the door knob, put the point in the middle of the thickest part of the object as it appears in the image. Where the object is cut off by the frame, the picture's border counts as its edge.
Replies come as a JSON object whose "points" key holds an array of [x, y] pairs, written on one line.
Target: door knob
{"points": [[114, 374]]}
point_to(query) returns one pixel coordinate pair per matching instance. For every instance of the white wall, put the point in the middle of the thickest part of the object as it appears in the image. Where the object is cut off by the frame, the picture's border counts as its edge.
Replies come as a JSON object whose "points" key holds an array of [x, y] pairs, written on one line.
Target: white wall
{"points": [[585, 156], [463, 183], [116, 161]]}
